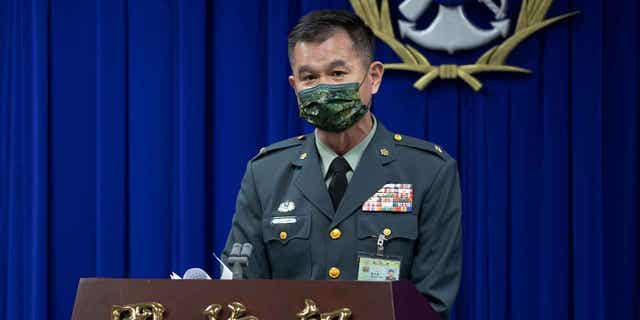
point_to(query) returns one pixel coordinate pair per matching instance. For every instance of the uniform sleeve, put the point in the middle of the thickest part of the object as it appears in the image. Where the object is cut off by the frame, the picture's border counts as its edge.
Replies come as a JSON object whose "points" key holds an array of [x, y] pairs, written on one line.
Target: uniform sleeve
{"points": [[247, 227], [437, 264]]}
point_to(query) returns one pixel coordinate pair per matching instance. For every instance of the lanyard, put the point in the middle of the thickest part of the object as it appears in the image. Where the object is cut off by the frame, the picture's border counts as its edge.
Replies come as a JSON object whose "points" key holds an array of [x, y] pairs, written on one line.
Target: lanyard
{"points": [[380, 244]]}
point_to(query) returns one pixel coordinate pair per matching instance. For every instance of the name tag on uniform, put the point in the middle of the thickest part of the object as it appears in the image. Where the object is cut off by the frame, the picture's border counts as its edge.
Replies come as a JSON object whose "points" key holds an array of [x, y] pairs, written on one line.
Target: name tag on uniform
{"points": [[375, 268], [284, 220], [392, 197]]}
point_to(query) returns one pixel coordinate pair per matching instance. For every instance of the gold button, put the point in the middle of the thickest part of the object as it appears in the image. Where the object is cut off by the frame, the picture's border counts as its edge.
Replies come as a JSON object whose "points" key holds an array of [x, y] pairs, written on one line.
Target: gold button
{"points": [[384, 152], [438, 148], [334, 273], [335, 234], [301, 137], [386, 232], [397, 137], [283, 235], [303, 156]]}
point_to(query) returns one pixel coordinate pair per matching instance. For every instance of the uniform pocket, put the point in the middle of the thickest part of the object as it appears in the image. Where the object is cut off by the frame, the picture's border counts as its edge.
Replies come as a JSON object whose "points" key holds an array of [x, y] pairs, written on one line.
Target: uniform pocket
{"points": [[288, 247], [403, 230]]}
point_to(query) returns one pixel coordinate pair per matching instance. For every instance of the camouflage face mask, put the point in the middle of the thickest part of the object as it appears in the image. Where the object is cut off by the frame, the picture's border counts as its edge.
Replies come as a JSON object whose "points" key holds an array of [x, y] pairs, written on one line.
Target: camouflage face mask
{"points": [[332, 107]]}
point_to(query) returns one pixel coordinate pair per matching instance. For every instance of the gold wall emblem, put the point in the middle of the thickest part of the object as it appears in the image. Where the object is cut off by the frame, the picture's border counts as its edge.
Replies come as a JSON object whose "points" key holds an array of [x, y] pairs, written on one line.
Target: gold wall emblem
{"points": [[531, 19]]}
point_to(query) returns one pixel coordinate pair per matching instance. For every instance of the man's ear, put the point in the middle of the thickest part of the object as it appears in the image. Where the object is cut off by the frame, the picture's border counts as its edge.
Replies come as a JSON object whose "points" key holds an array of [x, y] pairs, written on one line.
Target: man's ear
{"points": [[376, 70], [292, 82]]}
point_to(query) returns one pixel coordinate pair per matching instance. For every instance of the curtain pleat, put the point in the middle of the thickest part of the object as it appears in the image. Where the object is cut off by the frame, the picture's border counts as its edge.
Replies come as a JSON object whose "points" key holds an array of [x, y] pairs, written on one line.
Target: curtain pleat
{"points": [[24, 171]]}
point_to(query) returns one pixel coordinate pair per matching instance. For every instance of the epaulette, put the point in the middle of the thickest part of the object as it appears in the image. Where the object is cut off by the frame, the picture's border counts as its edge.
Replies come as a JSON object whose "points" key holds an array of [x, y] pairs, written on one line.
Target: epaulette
{"points": [[280, 145], [421, 145]]}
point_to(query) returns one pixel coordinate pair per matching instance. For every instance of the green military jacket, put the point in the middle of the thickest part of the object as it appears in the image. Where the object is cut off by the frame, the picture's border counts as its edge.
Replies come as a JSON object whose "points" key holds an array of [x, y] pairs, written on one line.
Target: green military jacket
{"points": [[284, 182]]}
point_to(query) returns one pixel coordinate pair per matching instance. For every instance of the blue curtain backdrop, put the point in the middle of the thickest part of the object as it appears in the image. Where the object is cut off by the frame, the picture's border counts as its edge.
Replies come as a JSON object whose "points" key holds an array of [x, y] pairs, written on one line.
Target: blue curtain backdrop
{"points": [[125, 127]]}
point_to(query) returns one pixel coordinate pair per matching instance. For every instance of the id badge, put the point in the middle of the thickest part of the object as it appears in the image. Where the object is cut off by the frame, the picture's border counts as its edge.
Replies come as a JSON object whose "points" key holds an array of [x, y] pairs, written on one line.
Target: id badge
{"points": [[378, 268]]}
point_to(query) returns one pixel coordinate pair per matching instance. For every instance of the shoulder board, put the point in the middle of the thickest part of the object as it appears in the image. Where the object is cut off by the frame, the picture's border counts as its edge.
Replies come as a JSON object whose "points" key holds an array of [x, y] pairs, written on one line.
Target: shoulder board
{"points": [[280, 145], [423, 145]]}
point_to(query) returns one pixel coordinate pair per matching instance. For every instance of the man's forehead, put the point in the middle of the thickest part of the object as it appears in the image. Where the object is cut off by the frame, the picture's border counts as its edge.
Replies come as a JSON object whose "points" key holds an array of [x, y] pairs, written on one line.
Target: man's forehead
{"points": [[314, 66], [338, 47], [338, 39]]}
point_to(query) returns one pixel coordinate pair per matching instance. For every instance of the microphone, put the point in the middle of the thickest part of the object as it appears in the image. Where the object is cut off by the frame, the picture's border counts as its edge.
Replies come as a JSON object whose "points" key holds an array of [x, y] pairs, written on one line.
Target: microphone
{"points": [[246, 250], [235, 250], [239, 259], [196, 274]]}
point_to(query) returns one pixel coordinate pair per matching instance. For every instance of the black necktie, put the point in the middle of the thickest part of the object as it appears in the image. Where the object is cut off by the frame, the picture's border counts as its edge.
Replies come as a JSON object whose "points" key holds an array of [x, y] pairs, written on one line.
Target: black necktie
{"points": [[339, 168]]}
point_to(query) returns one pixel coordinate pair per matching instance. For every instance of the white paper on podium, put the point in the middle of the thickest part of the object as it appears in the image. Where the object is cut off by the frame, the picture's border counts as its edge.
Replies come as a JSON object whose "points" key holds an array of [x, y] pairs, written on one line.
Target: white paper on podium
{"points": [[226, 272]]}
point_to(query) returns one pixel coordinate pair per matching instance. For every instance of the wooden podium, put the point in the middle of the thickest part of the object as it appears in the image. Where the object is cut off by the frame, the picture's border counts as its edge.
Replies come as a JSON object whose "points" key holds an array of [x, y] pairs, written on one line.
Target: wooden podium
{"points": [[126, 299]]}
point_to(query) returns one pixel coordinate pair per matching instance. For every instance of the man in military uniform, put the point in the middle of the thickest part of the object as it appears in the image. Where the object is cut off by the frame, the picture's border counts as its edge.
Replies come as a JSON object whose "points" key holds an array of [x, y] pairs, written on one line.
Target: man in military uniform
{"points": [[350, 197]]}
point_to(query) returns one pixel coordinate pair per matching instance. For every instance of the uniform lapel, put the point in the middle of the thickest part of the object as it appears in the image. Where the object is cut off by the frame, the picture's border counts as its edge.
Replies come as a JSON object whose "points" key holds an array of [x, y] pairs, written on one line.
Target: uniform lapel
{"points": [[309, 178], [370, 175]]}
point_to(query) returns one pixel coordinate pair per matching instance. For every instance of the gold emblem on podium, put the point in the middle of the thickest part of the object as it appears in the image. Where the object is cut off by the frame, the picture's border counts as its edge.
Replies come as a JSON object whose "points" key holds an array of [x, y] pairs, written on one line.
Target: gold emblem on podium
{"points": [[237, 309], [311, 311], [138, 311]]}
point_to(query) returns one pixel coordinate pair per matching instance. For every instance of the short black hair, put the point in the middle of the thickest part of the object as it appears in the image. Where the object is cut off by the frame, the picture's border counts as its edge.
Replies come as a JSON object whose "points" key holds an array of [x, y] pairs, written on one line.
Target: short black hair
{"points": [[318, 26]]}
